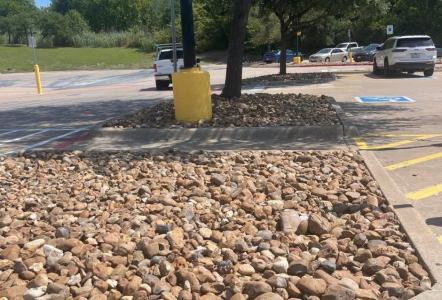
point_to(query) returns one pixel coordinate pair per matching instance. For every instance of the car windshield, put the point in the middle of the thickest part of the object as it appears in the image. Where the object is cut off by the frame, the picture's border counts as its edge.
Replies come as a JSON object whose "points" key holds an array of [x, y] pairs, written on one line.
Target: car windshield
{"points": [[168, 54], [371, 47], [414, 42], [323, 51], [343, 45]]}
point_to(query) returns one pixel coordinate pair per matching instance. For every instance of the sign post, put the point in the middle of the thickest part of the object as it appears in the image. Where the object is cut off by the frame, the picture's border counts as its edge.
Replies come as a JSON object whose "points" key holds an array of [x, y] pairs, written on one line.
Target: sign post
{"points": [[32, 43]]}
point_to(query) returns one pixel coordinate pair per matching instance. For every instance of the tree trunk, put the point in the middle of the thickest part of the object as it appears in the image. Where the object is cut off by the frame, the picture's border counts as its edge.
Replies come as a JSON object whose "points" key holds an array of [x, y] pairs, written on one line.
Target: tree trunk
{"points": [[233, 84], [283, 56]]}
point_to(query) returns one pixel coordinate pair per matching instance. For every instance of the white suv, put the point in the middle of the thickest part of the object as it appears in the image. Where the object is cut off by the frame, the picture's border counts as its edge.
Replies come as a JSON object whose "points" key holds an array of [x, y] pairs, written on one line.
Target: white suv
{"points": [[414, 53]]}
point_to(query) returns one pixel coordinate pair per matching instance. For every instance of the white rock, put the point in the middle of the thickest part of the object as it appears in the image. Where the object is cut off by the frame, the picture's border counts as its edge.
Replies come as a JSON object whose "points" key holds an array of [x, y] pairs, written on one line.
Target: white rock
{"points": [[35, 244], [280, 265], [35, 292]]}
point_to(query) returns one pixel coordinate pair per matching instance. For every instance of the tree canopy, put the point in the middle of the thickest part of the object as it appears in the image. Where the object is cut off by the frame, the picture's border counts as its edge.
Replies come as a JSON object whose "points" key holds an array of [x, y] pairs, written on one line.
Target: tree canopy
{"points": [[322, 22]]}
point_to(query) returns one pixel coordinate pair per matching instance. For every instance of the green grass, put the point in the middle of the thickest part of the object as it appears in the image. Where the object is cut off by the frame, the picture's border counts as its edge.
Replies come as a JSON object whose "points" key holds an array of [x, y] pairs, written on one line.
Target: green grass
{"points": [[19, 59]]}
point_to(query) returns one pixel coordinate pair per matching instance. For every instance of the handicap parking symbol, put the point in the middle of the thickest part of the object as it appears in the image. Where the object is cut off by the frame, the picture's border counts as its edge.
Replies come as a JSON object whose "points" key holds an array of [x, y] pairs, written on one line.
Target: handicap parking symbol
{"points": [[384, 99]]}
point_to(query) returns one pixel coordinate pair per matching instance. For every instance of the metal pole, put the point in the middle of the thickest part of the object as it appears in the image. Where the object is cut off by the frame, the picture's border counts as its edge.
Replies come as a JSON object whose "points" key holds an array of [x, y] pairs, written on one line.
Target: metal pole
{"points": [[172, 21], [188, 34], [297, 44]]}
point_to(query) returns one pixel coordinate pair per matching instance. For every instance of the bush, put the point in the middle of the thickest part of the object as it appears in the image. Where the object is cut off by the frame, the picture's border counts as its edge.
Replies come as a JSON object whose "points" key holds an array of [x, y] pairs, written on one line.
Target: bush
{"points": [[3, 39], [128, 39]]}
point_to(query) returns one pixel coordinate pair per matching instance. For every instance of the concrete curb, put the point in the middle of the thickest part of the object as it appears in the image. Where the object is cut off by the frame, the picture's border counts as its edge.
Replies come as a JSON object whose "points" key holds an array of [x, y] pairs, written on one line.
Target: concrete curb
{"points": [[215, 139], [350, 130], [428, 248]]}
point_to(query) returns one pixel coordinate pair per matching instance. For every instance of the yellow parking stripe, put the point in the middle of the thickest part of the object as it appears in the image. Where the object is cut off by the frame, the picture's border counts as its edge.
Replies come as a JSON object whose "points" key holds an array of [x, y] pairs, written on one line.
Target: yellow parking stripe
{"points": [[439, 238], [426, 192], [412, 162], [360, 142], [427, 136], [363, 145]]}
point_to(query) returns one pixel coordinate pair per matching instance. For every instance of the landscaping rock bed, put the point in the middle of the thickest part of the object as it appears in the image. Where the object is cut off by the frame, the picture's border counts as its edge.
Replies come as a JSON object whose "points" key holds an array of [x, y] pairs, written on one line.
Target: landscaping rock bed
{"points": [[250, 110], [245, 225], [291, 79]]}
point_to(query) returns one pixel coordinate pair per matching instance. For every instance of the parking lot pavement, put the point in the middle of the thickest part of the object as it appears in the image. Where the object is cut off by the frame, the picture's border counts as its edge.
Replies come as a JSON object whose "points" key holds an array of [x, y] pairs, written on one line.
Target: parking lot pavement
{"points": [[414, 161]]}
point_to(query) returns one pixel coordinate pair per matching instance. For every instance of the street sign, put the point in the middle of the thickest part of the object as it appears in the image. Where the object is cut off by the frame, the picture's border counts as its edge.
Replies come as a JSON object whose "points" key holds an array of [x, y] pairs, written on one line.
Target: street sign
{"points": [[32, 43], [390, 29], [384, 99]]}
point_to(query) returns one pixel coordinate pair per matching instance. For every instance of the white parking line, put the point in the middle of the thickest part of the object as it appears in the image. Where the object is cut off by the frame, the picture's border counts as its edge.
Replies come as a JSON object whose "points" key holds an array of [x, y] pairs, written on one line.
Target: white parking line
{"points": [[9, 132], [45, 142], [23, 137]]}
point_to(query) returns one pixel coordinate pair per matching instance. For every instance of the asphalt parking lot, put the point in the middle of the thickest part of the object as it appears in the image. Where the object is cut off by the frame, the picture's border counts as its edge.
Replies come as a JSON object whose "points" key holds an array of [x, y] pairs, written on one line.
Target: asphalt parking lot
{"points": [[405, 137]]}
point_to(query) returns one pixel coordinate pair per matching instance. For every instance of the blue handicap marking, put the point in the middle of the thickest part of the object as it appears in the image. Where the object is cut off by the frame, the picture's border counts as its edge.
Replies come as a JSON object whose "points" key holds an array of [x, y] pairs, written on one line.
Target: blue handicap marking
{"points": [[385, 99]]}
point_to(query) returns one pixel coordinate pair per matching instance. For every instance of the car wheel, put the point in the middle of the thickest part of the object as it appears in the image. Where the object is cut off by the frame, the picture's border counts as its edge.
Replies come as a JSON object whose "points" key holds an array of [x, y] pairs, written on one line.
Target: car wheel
{"points": [[344, 59], [375, 67], [428, 73], [327, 59], [387, 71], [161, 84]]}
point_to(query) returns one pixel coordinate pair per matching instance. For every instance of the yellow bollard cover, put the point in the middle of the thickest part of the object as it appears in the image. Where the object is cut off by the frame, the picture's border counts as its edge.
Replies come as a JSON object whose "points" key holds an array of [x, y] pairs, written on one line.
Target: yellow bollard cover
{"points": [[192, 95], [297, 60]]}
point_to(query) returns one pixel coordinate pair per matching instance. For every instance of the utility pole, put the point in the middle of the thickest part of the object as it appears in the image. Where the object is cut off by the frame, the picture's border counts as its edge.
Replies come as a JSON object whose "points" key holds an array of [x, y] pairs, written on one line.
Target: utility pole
{"points": [[188, 34], [173, 26]]}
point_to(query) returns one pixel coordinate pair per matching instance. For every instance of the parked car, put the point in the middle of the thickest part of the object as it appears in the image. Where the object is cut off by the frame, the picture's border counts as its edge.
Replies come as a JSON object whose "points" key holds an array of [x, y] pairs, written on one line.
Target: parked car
{"points": [[274, 56], [329, 55], [163, 66], [413, 53], [366, 53], [347, 46]]}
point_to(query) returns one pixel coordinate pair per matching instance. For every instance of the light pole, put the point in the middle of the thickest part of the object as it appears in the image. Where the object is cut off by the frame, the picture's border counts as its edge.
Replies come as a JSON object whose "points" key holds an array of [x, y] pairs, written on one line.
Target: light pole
{"points": [[191, 85], [173, 26], [188, 34]]}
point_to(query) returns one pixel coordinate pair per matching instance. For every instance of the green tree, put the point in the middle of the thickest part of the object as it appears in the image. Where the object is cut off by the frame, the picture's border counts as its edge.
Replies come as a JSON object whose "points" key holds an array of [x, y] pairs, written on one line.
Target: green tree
{"points": [[263, 29], [296, 15], [60, 29], [17, 19]]}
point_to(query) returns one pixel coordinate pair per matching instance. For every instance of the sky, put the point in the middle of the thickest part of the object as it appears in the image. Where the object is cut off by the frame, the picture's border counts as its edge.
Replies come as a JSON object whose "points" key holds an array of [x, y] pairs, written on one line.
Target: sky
{"points": [[42, 3]]}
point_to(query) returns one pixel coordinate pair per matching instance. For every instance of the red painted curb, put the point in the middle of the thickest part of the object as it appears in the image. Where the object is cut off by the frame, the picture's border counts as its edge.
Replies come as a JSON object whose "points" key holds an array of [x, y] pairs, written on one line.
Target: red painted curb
{"points": [[71, 141]]}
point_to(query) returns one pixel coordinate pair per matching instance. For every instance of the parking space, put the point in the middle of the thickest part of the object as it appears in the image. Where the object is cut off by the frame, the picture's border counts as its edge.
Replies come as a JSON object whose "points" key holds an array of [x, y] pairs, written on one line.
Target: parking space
{"points": [[13, 141], [414, 161]]}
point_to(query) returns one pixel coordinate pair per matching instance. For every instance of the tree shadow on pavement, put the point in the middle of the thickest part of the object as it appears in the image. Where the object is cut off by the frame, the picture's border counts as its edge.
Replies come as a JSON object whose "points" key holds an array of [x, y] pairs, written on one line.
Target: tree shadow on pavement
{"points": [[385, 118], [67, 116]]}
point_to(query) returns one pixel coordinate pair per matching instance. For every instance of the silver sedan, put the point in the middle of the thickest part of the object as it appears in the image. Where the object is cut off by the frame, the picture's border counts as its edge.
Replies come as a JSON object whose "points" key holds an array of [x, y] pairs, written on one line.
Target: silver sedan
{"points": [[329, 55]]}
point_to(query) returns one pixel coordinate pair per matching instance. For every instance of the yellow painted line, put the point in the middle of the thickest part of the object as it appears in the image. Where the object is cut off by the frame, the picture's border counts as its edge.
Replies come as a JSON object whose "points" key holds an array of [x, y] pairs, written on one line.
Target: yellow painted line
{"points": [[363, 145], [426, 192], [415, 161], [439, 238], [426, 136], [360, 142]]}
